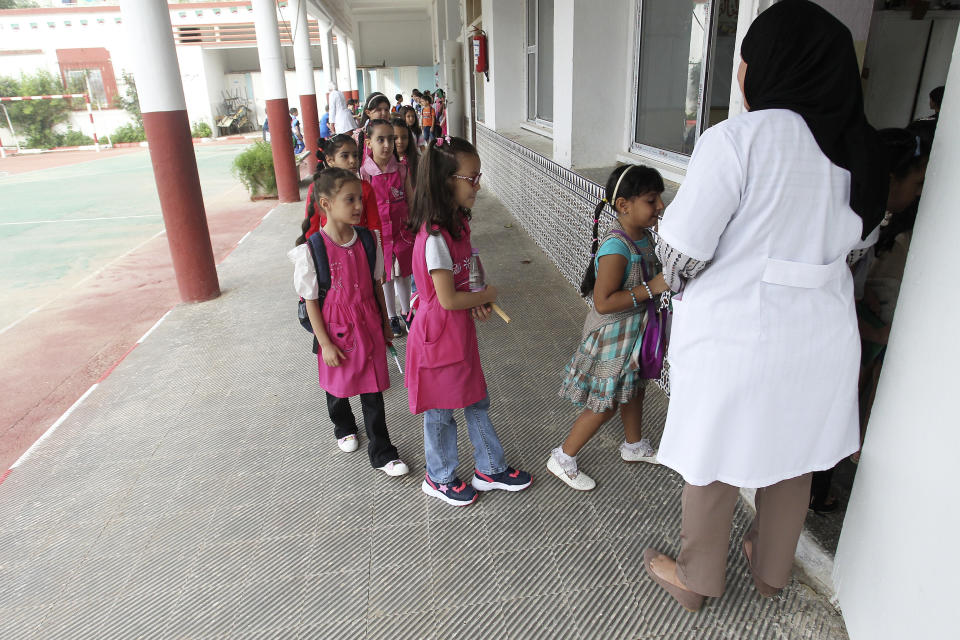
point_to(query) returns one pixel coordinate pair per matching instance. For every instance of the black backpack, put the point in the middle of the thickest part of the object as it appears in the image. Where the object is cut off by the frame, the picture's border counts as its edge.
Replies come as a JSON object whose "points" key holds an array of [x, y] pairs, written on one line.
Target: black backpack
{"points": [[318, 251]]}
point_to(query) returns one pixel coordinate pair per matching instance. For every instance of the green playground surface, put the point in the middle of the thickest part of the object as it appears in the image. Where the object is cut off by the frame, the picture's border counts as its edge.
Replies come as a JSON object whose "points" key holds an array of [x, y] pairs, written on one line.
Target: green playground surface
{"points": [[61, 225]]}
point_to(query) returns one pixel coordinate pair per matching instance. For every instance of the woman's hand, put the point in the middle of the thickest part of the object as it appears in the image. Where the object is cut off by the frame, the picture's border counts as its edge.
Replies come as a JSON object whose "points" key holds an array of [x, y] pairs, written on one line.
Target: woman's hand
{"points": [[332, 356]]}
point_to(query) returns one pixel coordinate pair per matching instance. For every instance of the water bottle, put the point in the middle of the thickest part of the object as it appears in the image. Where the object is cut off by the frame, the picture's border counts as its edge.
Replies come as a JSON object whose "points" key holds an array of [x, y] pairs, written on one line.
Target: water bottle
{"points": [[478, 280]]}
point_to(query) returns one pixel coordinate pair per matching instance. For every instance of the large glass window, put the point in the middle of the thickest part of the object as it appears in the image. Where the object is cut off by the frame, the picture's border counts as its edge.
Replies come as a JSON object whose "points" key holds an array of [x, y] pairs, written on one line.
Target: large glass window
{"points": [[540, 60], [684, 70]]}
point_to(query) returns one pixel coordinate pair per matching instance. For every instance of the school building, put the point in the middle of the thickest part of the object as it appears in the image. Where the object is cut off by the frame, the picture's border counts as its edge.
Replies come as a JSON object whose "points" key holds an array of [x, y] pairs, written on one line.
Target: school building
{"points": [[554, 93]]}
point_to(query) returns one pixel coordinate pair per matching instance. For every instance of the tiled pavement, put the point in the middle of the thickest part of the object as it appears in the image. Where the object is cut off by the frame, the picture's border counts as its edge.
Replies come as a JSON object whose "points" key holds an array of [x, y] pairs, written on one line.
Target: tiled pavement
{"points": [[198, 493]]}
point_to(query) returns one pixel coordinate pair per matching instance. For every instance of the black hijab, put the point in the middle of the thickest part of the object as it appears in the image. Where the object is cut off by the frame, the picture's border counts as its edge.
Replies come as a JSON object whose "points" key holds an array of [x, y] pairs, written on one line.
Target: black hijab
{"points": [[802, 58]]}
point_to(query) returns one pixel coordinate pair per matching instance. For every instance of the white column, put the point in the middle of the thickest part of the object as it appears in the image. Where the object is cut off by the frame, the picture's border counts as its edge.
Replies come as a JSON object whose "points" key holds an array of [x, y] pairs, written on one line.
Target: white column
{"points": [[268, 49], [896, 564], [352, 65], [504, 21], [344, 62], [301, 47], [325, 54], [155, 66]]}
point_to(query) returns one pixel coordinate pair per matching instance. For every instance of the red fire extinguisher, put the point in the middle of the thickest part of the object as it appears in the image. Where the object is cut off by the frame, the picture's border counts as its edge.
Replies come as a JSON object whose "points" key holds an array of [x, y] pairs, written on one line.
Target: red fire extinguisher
{"points": [[479, 40]]}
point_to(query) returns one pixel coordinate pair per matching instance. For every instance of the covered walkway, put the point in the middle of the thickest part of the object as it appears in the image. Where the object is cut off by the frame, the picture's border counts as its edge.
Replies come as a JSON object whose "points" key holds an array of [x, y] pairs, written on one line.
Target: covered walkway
{"points": [[198, 493]]}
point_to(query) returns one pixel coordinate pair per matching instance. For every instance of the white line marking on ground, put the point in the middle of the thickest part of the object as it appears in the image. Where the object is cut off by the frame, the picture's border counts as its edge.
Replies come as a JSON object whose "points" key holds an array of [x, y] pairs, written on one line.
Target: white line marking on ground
{"points": [[243, 238], [22, 318], [10, 224], [267, 215], [157, 324], [53, 427]]}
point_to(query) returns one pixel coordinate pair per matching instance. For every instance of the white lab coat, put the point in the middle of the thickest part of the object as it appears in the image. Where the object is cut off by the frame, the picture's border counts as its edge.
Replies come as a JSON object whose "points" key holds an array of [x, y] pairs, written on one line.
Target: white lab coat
{"points": [[764, 350], [343, 121]]}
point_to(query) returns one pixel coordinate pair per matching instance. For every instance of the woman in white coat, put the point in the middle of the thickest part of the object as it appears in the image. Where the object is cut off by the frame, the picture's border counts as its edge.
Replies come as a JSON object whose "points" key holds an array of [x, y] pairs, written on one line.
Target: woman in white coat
{"points": [[764, 347]]}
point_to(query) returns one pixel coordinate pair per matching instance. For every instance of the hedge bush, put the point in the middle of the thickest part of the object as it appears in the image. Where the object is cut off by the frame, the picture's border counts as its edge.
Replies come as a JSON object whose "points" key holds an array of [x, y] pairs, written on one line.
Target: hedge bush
{"points": [[201, 130], [254, 167]]}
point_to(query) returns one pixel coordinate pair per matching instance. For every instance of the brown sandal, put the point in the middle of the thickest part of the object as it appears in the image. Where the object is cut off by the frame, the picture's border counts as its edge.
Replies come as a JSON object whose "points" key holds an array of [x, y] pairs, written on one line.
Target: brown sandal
{"points": [[689, 600], [762, 587]]}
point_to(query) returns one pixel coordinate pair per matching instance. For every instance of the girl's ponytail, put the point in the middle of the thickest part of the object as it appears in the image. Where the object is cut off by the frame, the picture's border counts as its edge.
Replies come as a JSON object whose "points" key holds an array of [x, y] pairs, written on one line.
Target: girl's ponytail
{"points": [[590, 275], [304, 227]]}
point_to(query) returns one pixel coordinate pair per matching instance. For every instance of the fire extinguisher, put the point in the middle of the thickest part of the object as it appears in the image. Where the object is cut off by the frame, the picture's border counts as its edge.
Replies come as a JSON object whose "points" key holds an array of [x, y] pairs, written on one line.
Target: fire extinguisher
{"points": [[479, 40]]}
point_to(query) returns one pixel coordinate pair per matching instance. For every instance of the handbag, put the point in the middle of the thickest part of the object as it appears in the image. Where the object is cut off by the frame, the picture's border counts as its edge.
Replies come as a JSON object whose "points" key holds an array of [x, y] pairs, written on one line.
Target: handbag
{"points": [[653, 346]]}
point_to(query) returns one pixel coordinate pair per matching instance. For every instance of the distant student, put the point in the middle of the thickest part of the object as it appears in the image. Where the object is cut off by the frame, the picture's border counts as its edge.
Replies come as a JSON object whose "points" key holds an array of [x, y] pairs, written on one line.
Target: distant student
{"points": [[409, 115], [399, 105], [298, 145], [443, 370], [340, 152], [406, 148], [391, 184], [348, 319], [325, 122], [426, 117]]}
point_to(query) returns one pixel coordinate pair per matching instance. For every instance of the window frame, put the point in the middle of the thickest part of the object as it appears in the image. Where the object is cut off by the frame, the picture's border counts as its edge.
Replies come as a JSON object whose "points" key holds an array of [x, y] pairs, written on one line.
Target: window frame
{"points": [[704, 93], [534, 49]]}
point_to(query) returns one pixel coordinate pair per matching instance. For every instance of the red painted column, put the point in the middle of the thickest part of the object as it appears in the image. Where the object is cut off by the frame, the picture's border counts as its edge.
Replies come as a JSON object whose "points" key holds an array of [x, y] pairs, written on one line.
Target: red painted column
{"points": [[278, 110], [311, 128], [167, 127]]}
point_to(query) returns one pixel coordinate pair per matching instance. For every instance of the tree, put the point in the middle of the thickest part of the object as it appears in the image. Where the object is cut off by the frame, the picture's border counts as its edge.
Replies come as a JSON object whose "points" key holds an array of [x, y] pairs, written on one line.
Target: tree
{"points": [[17, 4], [37, 118], [130, 101]]}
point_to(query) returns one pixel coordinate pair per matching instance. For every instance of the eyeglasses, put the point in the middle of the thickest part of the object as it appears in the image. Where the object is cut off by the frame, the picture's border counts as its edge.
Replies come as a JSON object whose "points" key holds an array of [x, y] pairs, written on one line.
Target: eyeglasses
{"points": [[474, 180]]}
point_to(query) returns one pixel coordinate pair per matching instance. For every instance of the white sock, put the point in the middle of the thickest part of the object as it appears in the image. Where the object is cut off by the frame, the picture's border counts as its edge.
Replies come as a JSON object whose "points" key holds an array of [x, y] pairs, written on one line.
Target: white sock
{"points": [[567, 463], [390, 299], [403, 293]]}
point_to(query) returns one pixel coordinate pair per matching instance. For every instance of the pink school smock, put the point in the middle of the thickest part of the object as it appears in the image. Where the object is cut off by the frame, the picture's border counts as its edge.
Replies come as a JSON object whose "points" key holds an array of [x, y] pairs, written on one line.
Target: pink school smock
{"points": [[352, 317], [443, 360], [389, 188]]}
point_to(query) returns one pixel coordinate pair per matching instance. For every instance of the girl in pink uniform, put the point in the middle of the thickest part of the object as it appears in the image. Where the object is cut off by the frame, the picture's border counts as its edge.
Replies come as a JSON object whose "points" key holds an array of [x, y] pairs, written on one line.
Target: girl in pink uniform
{"points": [[443, 360], [394, 191], [351, 328]]}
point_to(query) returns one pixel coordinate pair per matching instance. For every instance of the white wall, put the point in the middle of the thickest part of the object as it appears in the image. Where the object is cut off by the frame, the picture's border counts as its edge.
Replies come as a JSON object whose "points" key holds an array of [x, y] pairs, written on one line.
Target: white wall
{"points": [[589, 106], [898, 557], [503, 21], [400, 41]]}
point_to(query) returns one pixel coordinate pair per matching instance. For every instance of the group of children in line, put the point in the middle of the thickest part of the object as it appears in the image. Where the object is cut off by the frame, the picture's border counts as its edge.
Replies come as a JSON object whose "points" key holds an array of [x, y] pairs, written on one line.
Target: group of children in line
{"points": [[375, 187]]}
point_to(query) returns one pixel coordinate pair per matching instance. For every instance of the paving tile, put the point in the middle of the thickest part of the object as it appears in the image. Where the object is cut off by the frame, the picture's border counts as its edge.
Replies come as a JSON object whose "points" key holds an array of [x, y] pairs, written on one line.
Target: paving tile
{"points": [[199, 493]]}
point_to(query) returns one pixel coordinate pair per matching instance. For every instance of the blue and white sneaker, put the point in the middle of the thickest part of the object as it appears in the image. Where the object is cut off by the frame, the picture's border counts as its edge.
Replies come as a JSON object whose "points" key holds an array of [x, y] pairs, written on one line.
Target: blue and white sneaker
{"points": [[509, 480], [456, 492]]}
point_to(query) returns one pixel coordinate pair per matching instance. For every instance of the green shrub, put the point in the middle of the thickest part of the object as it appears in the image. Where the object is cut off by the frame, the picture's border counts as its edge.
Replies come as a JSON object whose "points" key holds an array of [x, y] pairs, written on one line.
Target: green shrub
{"points": [[36, 119], [254, 167], [201, 130], [128, 133], [74, 138]]}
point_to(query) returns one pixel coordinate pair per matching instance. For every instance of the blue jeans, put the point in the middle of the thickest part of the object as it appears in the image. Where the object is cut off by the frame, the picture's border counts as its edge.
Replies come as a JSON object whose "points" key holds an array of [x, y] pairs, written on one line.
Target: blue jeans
{"points": [[440, 442]]}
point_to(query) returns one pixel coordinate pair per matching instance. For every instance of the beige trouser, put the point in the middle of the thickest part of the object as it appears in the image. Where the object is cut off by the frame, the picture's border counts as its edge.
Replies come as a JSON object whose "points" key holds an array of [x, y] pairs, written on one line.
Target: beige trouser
{"points": [[705, 532]]}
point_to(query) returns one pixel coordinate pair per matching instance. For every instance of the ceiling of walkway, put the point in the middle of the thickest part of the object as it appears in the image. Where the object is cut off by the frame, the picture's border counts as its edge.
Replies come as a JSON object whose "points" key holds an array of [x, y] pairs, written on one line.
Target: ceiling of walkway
{"points": [[385, 8]]}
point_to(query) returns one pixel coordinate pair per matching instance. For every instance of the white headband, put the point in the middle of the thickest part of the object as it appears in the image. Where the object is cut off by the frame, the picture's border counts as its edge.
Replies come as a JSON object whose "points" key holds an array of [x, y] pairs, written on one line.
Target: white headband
{"points": [[617, 188]]}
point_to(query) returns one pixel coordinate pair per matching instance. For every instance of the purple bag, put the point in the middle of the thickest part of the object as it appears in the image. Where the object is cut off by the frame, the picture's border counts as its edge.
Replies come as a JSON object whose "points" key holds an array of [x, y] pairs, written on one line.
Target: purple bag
{"points": [[653, 345]]}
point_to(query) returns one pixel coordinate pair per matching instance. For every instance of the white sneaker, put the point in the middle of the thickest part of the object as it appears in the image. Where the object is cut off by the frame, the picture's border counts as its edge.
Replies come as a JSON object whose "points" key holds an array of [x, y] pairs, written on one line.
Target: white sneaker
{"points": [[580, 482], [348, 443], [641, 451], [395, 468]]}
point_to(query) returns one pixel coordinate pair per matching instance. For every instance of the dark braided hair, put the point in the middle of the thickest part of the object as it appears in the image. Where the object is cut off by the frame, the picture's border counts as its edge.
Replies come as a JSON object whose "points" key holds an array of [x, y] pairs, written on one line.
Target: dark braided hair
{"points": [[639, 179]]}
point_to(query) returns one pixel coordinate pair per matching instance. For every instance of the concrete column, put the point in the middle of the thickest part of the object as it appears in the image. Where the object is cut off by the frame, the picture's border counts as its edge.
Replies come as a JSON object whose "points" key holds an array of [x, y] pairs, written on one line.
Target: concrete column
{"points": [[165, 121], [343, 60], [326, 54], [352, 70], [308, 90], [278, 109], [504, 21], [576, 84], [895, 570]]}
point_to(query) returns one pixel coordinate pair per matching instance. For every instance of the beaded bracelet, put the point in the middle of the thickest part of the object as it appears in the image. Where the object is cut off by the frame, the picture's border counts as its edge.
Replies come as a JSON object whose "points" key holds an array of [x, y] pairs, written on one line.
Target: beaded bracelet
{"points": [[649, 293], [635, 303]]}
